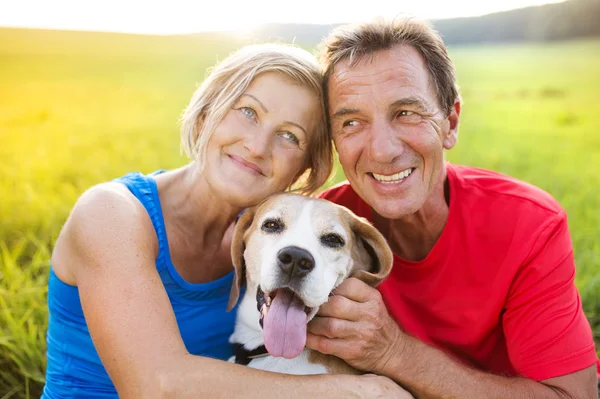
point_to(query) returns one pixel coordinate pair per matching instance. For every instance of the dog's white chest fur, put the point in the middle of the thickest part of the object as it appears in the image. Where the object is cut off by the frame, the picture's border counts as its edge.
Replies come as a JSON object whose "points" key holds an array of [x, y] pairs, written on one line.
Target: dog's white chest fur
{"points": [[297, 365]]}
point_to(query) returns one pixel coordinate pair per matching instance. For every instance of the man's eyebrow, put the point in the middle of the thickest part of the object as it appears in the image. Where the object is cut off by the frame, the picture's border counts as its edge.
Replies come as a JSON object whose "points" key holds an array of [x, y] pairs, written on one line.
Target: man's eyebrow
{"points": [[414, 101], [265, 110], [344, 111]]}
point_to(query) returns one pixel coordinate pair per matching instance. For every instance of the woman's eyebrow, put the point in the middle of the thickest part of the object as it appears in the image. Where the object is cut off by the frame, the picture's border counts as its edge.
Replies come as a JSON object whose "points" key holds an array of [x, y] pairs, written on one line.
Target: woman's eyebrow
{"points": [[295, 124], [265, 110]]}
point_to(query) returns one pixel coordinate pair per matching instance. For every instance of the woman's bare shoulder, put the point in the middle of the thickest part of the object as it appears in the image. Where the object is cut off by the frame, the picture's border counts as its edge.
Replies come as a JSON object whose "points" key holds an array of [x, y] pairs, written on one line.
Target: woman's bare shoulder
{"points": [[106, 218]]}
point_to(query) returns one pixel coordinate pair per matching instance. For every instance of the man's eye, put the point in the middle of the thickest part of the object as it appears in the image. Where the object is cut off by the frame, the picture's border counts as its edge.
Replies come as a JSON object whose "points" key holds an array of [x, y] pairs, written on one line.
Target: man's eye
{"points": [[406, 113], [272, 226], [290, 137], [332, 240], [248, 112], [409, 117], [350, 123]]}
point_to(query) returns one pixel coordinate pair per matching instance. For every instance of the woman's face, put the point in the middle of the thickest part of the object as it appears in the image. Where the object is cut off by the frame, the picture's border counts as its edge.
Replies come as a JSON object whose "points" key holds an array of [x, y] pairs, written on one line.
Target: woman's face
{"points": [[262, 143]]}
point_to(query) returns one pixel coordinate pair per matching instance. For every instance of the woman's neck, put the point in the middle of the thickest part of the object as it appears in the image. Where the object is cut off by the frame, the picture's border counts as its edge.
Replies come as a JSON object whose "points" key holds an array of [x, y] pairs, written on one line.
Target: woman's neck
{"points": [[199, 225], [194, 208]]}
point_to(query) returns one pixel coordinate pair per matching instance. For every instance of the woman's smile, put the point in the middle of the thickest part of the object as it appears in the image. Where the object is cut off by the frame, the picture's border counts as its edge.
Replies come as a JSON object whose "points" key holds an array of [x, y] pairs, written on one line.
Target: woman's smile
{"points": [[246, 165]]}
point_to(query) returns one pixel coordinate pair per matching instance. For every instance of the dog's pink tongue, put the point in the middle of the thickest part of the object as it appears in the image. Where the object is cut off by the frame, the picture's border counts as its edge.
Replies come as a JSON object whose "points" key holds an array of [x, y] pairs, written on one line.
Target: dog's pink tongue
{"points": [[285, 325]]}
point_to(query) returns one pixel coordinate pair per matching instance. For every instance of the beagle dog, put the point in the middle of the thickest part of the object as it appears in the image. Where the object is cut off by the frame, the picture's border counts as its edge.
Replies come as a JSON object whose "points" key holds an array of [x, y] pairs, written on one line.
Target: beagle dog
{"points": [[291, 251]]}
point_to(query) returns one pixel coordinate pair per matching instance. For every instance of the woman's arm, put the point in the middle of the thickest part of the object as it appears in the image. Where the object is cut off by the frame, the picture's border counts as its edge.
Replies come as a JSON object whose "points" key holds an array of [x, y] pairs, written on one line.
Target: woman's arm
{"points": [[190, 379], [108, 247]]}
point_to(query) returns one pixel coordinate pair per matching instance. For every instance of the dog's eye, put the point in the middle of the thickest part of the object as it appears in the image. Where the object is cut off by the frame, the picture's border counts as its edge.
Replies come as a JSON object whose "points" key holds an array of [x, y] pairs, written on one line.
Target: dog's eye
{"points": [[272, 226], [332, 240]]}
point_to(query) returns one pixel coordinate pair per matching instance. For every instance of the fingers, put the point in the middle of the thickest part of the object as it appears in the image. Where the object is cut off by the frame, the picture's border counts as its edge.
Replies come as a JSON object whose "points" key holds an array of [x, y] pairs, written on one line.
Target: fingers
{"points": [[353, 300], [328, 346], [340, 307], [330, 327], [356, 290]]}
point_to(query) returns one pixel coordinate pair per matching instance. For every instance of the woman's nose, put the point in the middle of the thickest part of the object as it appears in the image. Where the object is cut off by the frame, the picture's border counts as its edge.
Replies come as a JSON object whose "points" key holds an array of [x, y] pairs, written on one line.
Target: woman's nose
{"points": [[258, 143]]}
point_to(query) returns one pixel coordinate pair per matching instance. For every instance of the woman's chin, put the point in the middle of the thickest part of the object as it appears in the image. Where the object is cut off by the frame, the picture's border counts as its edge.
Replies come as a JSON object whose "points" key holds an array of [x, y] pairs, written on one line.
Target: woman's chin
{"points": [[242, 193], [245, 198]]}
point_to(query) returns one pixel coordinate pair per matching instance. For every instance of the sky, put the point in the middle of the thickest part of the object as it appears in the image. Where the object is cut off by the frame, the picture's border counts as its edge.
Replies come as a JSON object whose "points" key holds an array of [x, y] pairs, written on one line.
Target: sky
{"points": [[185, 16]]}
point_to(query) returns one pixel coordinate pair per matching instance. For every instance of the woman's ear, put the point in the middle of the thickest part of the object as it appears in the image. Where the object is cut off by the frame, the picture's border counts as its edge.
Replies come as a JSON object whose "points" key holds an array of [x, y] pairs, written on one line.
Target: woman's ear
{"points": [[238, 246]]}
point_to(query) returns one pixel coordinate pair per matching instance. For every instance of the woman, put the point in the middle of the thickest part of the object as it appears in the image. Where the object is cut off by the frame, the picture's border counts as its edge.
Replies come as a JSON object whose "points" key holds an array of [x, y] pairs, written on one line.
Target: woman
{"points": [[141, 271]]}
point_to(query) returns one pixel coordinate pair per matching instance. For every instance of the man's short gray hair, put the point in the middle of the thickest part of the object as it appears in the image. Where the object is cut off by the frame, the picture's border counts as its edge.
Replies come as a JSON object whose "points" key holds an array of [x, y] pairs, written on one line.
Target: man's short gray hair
{"points": [[353, 42]]}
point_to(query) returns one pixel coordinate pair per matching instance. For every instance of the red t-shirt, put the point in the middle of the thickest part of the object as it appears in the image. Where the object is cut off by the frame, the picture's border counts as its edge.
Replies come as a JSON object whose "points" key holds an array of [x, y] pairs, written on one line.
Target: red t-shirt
{"points": [[496, 291]]}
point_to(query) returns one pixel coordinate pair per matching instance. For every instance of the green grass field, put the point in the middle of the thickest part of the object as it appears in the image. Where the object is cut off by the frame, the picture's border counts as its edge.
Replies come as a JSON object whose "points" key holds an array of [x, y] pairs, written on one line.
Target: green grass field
{"points": [[77, 109]]}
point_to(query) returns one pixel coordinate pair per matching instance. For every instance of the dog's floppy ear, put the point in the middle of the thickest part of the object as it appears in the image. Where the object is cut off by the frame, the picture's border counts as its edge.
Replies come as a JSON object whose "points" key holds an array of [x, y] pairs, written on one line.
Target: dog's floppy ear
{"points": [[372, 255], [238, 246]]}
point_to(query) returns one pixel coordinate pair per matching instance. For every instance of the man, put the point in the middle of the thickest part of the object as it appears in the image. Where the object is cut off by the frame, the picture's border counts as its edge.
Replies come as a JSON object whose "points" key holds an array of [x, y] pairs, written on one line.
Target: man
{"points": [[481, 299]]}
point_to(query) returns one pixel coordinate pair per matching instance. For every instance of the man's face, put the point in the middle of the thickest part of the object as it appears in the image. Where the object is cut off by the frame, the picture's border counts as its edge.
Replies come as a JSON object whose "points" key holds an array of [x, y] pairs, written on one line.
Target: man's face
{"points": [[389, 129]]}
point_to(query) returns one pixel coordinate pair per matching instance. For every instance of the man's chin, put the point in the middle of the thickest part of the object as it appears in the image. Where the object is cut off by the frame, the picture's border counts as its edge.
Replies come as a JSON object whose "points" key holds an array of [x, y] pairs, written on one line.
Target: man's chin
{"points": [[392, 208], [393, 202]]}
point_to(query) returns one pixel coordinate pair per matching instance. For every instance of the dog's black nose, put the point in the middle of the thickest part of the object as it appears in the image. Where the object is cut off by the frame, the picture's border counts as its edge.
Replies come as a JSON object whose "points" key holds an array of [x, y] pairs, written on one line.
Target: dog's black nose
{"points": [[296, 262]]}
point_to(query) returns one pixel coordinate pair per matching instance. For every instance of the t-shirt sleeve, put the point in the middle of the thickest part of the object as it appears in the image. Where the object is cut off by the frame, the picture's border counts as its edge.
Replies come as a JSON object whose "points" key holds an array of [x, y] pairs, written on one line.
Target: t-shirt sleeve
{"points": [[331, 194], [547, 333]]}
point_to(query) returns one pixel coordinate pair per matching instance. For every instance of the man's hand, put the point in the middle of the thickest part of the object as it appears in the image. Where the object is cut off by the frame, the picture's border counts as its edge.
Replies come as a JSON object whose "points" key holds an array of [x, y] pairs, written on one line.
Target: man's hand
{"points": [[355, 325]]}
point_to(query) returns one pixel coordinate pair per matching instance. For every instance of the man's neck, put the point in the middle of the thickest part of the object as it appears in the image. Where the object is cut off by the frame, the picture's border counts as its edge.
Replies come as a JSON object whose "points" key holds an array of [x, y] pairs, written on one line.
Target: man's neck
{"points": [[414, 236]]}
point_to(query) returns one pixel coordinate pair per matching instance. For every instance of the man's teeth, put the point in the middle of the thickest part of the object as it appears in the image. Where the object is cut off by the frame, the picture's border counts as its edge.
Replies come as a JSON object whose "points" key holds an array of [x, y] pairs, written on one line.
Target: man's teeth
{"points": [[395, 178]]}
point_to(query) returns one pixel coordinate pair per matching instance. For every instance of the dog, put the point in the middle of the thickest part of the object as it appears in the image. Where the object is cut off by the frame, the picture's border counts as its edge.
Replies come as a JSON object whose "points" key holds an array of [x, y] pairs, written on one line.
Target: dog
{"points": [[291, 252]]}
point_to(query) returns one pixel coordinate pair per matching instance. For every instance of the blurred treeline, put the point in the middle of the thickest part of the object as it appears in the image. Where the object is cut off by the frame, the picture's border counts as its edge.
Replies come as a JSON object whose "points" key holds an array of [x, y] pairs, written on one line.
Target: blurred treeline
{"points": [[557, 21]]}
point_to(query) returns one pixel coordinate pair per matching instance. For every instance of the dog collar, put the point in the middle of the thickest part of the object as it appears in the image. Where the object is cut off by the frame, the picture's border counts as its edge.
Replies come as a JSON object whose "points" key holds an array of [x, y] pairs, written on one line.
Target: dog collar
{"points": [[244, 356]]}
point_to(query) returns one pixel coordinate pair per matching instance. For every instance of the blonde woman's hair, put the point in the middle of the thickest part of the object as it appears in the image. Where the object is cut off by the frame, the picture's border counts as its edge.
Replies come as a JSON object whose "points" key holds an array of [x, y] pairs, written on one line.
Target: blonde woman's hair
{"points": [[229, 79]]}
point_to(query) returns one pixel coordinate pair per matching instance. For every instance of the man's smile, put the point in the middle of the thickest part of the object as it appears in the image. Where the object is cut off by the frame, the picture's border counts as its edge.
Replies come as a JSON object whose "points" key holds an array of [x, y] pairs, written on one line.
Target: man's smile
{"points": [[392, 179]]}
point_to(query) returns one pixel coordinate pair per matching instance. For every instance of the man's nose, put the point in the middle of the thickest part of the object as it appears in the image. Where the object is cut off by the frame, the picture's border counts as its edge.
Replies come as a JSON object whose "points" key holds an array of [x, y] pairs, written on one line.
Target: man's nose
{"points": [[385, 143]]}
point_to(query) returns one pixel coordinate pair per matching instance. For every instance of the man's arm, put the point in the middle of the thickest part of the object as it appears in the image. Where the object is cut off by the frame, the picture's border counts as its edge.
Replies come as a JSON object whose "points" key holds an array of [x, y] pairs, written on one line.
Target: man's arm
{"points": [[356, 326]]}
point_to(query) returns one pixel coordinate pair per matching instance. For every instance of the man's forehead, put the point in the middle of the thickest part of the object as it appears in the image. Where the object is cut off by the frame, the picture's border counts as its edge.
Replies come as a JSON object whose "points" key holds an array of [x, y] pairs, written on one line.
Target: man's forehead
{"points": [[385, 71], [358, 80], [394, 56]]}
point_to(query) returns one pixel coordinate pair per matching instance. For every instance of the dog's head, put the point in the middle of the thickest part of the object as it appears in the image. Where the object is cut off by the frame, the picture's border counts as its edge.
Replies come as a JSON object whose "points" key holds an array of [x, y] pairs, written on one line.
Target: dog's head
{"points": [[293, 251]]}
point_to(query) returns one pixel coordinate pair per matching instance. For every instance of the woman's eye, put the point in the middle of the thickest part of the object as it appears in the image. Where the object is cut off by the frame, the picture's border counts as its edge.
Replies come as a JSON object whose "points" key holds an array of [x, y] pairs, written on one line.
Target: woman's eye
{"points": [[272, 226], [290, 137], [350, 123], [248, 112]]}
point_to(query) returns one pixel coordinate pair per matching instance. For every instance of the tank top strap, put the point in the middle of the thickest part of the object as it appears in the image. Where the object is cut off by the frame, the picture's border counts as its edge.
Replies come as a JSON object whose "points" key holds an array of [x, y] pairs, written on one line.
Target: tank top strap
{"points": [[144, 188]]}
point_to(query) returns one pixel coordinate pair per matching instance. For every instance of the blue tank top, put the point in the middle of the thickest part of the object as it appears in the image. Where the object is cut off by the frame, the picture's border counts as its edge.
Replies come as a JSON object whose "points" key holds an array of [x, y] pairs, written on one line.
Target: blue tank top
{"points": [[74, 369]]}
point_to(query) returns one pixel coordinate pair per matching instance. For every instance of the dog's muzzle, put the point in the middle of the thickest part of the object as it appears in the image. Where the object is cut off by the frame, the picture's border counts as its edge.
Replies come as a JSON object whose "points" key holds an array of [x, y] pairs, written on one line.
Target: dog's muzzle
{"points": [[283, 318], [295, 262]]}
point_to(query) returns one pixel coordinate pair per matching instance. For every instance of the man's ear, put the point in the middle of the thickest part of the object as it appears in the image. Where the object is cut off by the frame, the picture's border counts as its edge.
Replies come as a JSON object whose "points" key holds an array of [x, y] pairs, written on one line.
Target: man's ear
{"points": [[452, 135], [372, 255], [238, 246]]}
